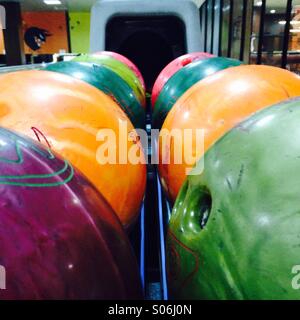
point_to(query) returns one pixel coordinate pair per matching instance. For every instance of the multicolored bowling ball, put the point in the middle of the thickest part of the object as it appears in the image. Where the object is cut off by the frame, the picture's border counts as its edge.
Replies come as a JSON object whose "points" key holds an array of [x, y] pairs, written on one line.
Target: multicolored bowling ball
{"points": [[59, 238], [73, 117], [120, 68], [182, 80], [125, 60], [107, 81], [215, 105], [234, 231], [172, 68]]}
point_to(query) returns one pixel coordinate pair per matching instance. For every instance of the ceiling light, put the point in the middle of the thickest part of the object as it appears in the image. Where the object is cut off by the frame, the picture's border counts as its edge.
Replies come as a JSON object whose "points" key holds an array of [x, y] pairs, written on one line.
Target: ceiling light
{"points": [[295, 30], [259, 3], [52, 2], [273, 11], [293, 22]]}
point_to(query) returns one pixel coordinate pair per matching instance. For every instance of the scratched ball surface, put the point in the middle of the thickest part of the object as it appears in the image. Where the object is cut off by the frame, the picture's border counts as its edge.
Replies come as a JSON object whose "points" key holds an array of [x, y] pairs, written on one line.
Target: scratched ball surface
{"points": [[234, 230], [184, 79], [73, 117], [215, 105], [126, 61], [59, 239], [171, 69], [107, 81], [120, 68]]}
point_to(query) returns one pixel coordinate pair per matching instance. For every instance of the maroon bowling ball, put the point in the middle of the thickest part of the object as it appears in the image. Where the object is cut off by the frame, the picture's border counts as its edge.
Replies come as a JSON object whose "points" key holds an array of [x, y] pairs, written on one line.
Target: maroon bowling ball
{"points": [[59, 239]]}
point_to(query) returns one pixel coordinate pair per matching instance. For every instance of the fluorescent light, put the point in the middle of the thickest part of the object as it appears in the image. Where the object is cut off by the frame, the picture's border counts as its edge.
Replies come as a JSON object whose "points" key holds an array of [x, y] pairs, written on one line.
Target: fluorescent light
{"points": [[259, 3], [295, 30], [52, 2], [273, 11], [293, 22]]}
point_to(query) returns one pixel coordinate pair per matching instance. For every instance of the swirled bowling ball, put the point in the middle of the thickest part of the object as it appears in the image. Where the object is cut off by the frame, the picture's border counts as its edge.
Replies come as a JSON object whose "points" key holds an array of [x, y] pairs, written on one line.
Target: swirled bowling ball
{"points": [[59, 238], [107, 81], [215, 105], [172, 68], [126, 61], [78, 121], [234, 231], [120, 68], [184, 79]]}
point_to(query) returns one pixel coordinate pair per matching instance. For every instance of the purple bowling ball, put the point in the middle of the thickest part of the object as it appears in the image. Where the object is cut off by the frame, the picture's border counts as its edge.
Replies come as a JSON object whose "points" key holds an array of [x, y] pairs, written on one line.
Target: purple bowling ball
{"points": [[59, 239]]}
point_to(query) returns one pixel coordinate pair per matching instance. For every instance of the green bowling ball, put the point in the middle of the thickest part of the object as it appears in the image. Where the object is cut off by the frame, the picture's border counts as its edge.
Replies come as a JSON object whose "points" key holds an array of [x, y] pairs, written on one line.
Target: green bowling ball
{"points": [[118, 67], [184, 79], [235, 228], [107, 81]]}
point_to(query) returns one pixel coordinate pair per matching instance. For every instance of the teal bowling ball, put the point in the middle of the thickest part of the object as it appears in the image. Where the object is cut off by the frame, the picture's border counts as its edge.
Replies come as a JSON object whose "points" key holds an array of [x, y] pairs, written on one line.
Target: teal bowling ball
{"points": [[184, 79], [107, 81]]}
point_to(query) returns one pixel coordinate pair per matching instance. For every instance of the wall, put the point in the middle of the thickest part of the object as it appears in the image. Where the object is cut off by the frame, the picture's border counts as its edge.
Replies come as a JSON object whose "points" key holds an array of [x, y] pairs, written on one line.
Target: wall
{"points": [[79, 31], [55, 24]]}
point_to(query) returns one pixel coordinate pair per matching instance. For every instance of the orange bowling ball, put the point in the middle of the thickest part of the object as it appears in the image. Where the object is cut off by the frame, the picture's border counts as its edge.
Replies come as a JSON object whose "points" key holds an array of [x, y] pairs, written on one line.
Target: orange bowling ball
{"points": [[216, 104], [68, 114]]}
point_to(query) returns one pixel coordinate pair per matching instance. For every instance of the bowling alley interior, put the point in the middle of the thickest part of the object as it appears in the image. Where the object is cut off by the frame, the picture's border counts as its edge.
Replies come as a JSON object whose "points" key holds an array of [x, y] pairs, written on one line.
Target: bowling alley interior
{"points": [[150, 150]]}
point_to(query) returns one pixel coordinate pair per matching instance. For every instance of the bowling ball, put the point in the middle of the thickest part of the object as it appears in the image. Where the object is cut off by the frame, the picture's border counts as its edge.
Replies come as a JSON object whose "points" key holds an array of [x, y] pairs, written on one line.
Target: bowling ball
{"points": [[172, 68], [216, 104], [107, 81], [69, 114], [182, 80], [125, 60], [234, 232], [59, 238], [120, 69]]}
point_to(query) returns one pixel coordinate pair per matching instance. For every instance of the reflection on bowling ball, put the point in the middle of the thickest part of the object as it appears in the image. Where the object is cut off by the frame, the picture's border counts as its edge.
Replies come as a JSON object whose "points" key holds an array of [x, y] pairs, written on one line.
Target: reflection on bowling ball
{"points": [[107, 81], [59, 238], [234, 232], [125, 60], [70, 114], [172, 68], [182, 80], [216, 104], [118, 67]]}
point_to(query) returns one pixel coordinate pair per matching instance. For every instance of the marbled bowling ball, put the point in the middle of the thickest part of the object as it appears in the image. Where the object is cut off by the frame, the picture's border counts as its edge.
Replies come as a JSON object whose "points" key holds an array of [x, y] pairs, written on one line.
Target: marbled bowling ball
{"points": [[183, 80], [234, 230], [59, 239], [216, 104], [126, 61], [172, 68], [108, 82], [73, 116], [120, 69]]}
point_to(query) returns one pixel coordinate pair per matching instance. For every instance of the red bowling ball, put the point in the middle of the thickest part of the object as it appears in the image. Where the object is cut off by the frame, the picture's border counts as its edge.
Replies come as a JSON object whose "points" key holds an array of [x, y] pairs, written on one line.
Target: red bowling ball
{"points": [[172, 68], [125, 60], [59, 239]]}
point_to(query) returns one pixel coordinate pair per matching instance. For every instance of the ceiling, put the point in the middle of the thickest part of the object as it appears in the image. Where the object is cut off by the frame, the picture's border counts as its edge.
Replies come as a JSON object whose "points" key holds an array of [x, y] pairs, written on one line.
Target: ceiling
{"points": [[278, 3], [39, 5], [85, 5]]}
